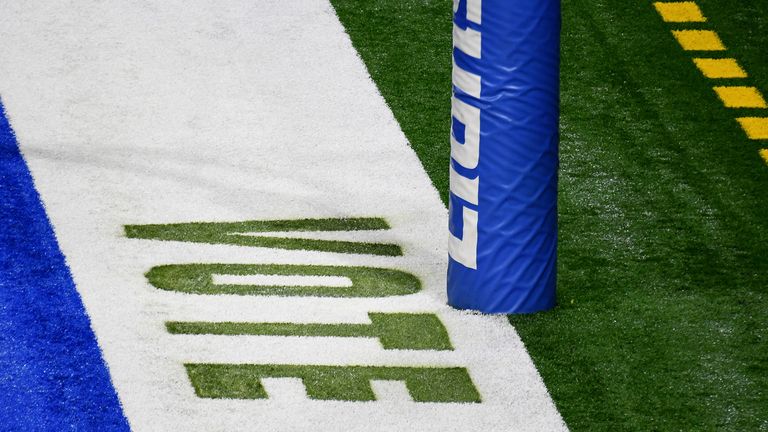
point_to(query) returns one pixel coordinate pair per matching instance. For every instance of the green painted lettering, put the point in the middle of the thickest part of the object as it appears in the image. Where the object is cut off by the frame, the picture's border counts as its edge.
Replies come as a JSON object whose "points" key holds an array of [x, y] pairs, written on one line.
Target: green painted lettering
{"points": [[366, 281], [396, 331], [247, 234], [345, 383]]}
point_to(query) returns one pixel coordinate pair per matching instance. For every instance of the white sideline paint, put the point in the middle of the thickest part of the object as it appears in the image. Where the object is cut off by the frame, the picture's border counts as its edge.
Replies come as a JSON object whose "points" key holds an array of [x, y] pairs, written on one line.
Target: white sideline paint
{"points": [[147, 111], [281, 280]]}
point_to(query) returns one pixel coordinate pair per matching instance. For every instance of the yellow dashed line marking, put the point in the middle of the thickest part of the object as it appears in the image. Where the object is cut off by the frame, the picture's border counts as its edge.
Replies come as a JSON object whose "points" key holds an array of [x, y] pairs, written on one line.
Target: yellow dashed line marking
{"points": [[720, 68], [699, 40], [755, 127], [764, 155], [732, 96], [740, 97], [680, 11]]}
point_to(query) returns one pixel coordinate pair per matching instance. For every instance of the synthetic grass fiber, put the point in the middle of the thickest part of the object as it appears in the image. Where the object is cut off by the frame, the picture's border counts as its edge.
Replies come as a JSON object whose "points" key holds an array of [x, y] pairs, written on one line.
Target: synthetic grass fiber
{"points": [[242, 234], [662, 321], [394, 330], [51, 370], [348, 383], [208, 127], [366, 281]]}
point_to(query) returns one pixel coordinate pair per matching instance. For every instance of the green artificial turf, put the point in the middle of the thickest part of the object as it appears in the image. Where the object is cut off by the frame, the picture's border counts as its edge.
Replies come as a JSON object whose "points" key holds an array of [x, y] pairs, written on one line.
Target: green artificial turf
{"points": [[396, 331], [347, 383], [662, 321], [241, 234], [366, 281]]}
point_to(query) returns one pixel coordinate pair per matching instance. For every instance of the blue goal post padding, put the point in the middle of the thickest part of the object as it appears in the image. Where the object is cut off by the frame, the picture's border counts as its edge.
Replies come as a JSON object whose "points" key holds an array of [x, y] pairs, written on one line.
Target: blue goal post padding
{"points": [[504, 155]]}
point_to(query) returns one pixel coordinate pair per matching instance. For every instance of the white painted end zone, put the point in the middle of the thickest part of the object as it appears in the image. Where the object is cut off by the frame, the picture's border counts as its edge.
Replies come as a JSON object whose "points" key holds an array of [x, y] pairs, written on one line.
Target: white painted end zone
{"points": [[143, 111]]}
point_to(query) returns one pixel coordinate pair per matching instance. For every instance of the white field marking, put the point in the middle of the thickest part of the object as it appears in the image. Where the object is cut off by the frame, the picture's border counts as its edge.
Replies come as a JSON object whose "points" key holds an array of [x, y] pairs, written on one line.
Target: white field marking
{"points": [[287, 389], [282, 280], [132, 112], [391, 391]]}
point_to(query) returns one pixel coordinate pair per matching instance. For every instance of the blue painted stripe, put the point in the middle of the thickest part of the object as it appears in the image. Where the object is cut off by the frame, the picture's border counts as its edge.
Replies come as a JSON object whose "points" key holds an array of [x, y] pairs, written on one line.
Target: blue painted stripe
{"points": [[52, 375]]}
